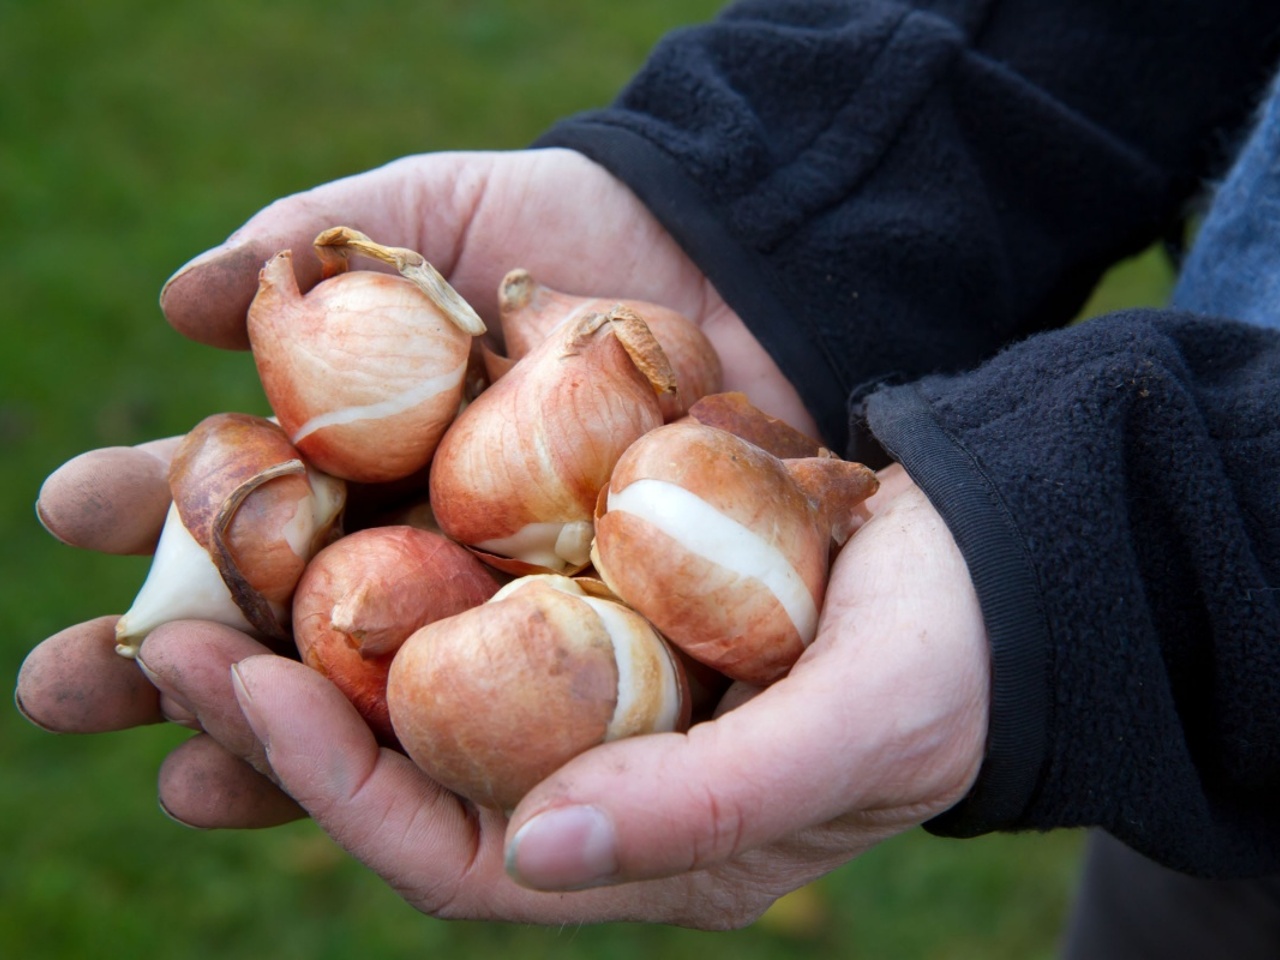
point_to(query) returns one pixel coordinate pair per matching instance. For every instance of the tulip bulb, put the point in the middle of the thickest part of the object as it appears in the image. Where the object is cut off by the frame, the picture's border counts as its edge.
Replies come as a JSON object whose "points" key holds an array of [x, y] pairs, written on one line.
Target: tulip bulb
{"points": [[715, 542], [247, 514], [362, 596], [530, 311], [517, 474], [735, 413], [366, 370], [494, 700]]}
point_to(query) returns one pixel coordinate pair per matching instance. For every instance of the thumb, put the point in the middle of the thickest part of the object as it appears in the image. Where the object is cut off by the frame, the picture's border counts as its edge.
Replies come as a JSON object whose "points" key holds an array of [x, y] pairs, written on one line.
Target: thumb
{"points": [[207, 299], [878, 727], [664, 805]]}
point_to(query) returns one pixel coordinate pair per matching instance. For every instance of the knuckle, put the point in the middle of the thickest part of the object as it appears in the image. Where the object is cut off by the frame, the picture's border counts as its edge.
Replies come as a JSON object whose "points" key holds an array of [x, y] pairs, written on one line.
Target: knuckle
{"points": [[721, 836]]}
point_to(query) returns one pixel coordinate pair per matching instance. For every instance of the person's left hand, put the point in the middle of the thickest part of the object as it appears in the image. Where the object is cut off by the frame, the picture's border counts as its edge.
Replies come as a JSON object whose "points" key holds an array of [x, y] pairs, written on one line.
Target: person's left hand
{"points": [[879, 727]]}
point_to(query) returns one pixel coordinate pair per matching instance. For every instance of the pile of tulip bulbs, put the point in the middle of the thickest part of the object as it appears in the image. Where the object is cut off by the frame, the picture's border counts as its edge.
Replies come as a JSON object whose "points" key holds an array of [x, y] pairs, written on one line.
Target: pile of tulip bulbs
{"points": [[503, 551]]}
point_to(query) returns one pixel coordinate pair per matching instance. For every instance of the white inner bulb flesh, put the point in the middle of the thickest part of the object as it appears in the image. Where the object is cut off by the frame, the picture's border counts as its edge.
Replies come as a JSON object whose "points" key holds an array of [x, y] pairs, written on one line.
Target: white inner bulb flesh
{"points": [[705, 532], [630, 714], [422, 391], [183, 583], [315, 512], [555, 546]]}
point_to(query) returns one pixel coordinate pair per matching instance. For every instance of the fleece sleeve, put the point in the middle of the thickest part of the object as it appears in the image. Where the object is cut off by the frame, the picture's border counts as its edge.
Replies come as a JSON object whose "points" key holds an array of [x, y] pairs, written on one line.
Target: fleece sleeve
{"points": [[1115, 489], [887, 188]]}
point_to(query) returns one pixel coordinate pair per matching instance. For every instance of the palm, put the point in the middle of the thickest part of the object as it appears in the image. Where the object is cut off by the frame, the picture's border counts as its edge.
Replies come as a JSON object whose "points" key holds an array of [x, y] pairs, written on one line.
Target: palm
{"points": [[561, 217], [476, 216], [879, 727]]}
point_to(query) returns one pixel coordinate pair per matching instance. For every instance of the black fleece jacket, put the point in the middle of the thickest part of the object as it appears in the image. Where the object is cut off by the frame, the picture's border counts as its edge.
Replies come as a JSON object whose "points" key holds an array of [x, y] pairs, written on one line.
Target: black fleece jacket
{"points": [[907, 202]]}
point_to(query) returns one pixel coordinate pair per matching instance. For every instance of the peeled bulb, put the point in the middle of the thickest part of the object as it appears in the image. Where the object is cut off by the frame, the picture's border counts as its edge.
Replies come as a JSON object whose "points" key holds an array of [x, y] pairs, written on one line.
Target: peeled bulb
{"points": [[494, 700], [363, 595], [723, 546], [530, 311], [247, 515], [365, 371], [517, 474]]}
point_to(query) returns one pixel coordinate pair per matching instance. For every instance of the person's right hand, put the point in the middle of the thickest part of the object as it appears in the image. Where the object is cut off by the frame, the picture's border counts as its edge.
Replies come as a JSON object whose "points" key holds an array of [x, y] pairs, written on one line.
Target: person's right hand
{"points": [[476, 216], [880, 726]]}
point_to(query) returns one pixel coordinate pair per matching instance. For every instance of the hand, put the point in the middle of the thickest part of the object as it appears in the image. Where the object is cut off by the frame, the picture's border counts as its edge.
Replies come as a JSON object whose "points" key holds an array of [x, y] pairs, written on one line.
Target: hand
{"points": [[476, 216], [879, 727]]}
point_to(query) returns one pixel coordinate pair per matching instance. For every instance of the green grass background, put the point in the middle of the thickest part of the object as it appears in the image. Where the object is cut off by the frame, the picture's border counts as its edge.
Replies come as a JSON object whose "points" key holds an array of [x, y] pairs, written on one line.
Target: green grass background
{"points": [[135, 134]]}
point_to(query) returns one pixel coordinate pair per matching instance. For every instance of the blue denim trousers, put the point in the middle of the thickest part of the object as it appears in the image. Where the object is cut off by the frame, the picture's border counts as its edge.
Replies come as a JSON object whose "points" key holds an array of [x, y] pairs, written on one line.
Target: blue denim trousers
{"points": [[1233, 267], [1127, 907]]}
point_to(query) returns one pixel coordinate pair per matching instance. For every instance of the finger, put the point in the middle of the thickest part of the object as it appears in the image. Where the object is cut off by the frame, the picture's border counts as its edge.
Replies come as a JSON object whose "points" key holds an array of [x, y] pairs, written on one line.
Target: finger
{"points": [[661, 806], [164, 448], [441, 854], [372, 801], [207, 299], [113, 499], [189, 662], [881, 724], [75, 682], [203, 785]]}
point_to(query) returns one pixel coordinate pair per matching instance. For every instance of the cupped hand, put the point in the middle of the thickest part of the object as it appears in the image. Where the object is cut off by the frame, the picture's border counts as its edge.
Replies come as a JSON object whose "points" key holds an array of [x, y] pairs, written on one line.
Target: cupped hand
{"points": [[476, 216], [878, 727]]}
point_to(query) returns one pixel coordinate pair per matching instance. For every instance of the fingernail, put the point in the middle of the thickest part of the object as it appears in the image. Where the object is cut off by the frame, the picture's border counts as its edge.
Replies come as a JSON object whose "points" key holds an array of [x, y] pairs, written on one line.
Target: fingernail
{"points": [[26, 714], [244, 696], [146, 672], [47, 523], [213, 253], [568, 848], [176, 819], [172, 707]]}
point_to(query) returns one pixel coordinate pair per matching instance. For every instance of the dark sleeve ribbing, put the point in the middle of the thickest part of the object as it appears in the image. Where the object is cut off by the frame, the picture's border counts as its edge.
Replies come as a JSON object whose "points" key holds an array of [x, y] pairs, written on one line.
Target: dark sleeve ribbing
{"points": [[1115, 489], [885, 189], [889, 188]]}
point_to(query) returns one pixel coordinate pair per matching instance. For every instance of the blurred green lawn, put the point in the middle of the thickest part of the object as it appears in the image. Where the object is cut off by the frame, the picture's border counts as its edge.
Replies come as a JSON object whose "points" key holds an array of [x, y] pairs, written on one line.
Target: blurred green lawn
{"points": [[135, 134]]}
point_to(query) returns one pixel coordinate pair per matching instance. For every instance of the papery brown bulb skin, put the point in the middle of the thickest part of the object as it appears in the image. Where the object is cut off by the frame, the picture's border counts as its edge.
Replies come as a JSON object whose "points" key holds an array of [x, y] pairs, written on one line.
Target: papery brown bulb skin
{"points": [[837, 487], [219, 455], [530, 311], [734, 413], [532, 452], [364, 372], [708, 537], [224, 452], [247, 514], [362, 596], [492, 701]]}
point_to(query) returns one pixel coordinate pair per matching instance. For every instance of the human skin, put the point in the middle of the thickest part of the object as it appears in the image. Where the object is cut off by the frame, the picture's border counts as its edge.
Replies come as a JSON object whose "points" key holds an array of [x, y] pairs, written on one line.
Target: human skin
{"points": [[878, 727]]}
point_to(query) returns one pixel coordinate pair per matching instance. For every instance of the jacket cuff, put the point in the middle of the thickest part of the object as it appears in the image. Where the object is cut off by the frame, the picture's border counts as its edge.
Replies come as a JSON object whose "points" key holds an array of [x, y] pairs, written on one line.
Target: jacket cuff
{"points": [[1010, 598]]}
